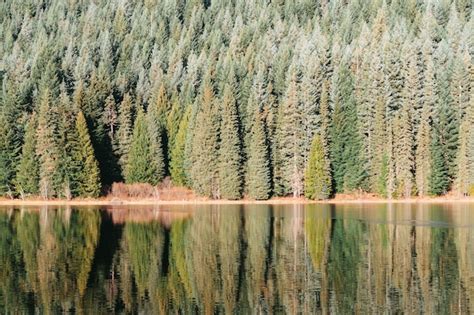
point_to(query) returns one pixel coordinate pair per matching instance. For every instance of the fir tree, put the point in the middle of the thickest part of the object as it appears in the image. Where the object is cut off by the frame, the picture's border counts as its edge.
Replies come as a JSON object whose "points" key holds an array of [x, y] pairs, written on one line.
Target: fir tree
{"points": [[291, 140], [88, 178], [464, 183], [177, 156], [317, 174], [155, 130], [141, 167], [27, 177], [346, 148], [204, 174], [46, 148], [439, 178], [125, 131], [258, 185], [230, 158], [423, 153]]}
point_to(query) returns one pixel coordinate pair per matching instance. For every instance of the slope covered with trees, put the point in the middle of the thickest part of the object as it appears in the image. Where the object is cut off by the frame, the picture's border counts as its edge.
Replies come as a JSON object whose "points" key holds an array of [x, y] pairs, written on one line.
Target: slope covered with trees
{"points": [[227, 97]]}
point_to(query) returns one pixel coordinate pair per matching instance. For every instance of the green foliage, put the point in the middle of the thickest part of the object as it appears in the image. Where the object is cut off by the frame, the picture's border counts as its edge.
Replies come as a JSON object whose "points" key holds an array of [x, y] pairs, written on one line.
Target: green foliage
{"points": [[258, 185], [345, 70], [27, 177], [439, 178], [204, 155], [177, 156], [141, 165], [317, 174], [230, 158], [88, 177], [346, 149]]}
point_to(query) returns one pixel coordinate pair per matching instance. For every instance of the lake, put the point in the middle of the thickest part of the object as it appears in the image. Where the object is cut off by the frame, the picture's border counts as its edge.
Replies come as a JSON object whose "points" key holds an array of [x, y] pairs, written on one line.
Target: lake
{"points": [[374, 258]]}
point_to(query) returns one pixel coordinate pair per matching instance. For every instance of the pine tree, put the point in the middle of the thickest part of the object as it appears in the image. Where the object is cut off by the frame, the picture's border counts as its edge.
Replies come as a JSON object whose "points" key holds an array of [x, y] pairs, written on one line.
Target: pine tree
{"points": [[46, 148], [258, 185], [404, 158], [204, 174], [346, 149], [141, 167], [177, 156], [423, 153], [464, 183], [27, 177], [88, 177], [317, 175], [439, 178], [230, 157], [291, 137], [125, 131], [155, 130]]}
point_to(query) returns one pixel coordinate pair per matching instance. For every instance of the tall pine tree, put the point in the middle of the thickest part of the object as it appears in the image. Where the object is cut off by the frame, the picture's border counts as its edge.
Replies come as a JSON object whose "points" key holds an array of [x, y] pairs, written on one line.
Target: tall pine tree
{"points": [[317, 175], [27, 177]]}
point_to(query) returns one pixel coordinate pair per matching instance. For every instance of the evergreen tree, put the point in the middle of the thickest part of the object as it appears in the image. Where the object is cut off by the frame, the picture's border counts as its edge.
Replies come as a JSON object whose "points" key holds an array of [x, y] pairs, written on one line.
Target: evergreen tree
{"points": [[439, 178], [404, 150], [317, 174], [346, 148], [204, 156], [291, 140], [141, 167], [464, 183], [230, 158], [177, 156], [27, 177], [46, 148], [125, 131], [423, 153], [155, 130], [88, 177], [259, 180]]}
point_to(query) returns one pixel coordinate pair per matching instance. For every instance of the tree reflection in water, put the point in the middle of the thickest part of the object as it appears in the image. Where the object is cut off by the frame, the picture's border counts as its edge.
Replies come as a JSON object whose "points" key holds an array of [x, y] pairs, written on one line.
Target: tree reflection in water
{"points": [[238, 259]]}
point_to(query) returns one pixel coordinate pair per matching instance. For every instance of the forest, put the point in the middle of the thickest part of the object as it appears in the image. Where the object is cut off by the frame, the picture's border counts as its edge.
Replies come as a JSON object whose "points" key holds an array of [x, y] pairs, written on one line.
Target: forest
{"points": [[237, 99]]}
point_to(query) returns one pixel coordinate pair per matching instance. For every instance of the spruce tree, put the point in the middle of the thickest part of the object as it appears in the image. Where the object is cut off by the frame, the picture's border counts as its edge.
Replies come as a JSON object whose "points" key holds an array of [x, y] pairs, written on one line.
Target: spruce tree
{"points": [[27, 177], [124, 131], [46, 147], [88, 177], [291, 139], [439, 177], [346, 148], [155, 130], [141, 167], [177, 156], [317, 177], [423, 153], [230, 156], [259, 180], [204, 174], [464, 182]]}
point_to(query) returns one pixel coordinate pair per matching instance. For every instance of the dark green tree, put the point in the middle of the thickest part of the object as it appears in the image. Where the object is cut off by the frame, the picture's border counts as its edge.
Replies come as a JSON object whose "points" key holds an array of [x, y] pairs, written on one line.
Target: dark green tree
{"points": [[259, 179], [439, 178], [141, 167], [346, 148], [27, 177], [230, 157]]}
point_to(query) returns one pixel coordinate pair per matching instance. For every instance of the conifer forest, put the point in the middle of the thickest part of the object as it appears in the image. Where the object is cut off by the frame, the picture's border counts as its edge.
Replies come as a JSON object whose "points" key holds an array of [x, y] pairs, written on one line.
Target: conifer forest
{"points": [[237, 98]]}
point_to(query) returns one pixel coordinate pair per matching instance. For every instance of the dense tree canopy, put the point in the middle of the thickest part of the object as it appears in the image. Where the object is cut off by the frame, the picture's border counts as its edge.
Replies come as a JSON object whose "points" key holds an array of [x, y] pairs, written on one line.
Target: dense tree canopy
{"points": [[202, 70]]}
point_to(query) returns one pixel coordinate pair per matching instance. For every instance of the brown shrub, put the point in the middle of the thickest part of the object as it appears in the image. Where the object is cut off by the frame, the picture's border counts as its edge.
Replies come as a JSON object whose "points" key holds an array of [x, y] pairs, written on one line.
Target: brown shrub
{"points": [[138, 190]]}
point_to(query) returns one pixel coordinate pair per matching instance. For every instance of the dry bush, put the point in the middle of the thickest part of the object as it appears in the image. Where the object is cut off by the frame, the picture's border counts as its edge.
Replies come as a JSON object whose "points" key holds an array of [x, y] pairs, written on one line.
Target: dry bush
{"points": [[138, 190]]}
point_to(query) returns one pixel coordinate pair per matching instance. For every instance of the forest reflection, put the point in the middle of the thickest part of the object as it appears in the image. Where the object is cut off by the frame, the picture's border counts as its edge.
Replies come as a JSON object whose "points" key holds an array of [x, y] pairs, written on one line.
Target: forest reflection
{"points": [[238, 259]]}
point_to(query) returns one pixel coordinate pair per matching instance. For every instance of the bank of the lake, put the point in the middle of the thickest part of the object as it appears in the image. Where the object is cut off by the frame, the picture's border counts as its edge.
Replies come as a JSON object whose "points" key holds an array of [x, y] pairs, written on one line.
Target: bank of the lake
{"points": [[203, 201]]}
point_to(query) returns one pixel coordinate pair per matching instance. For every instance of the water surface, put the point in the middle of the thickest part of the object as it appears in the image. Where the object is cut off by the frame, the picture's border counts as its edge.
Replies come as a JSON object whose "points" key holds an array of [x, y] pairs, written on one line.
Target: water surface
{"points": [[238, 259]]}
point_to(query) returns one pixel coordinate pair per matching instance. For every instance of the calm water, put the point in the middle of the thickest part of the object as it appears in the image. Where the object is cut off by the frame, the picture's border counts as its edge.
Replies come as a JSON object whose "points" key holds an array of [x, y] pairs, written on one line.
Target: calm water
{"points": [[238, 259]]}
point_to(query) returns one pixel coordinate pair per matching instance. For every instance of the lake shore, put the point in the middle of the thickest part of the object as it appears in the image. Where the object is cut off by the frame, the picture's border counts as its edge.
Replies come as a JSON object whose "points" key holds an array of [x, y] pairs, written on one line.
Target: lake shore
{"points": [[203, 201]]}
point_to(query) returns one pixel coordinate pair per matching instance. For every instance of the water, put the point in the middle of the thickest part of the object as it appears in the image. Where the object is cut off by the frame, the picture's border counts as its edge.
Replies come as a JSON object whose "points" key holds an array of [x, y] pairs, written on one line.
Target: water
{"points": [[238, 259]]}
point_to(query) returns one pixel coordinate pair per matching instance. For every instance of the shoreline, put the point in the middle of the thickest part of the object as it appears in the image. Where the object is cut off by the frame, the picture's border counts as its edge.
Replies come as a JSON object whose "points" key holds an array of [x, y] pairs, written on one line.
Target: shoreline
{"points": [[276, 201]]}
